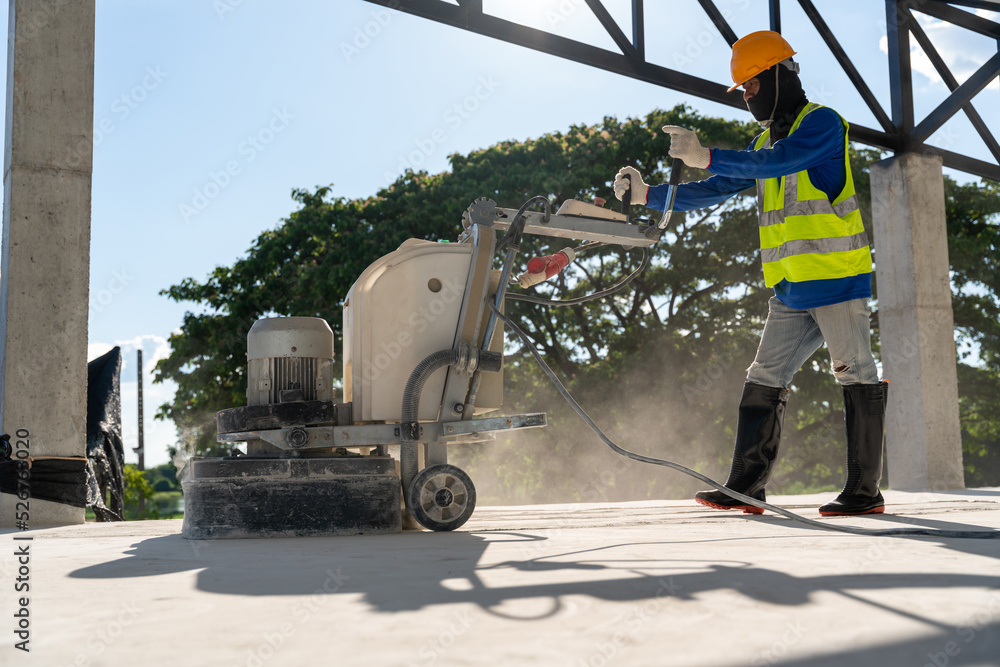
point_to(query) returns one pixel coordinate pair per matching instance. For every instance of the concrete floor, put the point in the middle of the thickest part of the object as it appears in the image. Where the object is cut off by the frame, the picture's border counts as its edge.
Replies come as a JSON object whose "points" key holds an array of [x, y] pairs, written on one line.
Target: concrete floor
{"points": [[651, 583]]}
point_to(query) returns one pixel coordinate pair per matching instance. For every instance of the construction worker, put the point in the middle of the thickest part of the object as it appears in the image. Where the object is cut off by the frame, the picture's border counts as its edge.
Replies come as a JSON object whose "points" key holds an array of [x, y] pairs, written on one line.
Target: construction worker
{"points": [[816, 257]]}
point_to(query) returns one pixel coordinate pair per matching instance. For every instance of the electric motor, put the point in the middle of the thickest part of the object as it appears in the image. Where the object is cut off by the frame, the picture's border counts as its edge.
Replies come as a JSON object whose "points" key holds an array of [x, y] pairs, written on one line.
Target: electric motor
{"points": [[289, 359]]}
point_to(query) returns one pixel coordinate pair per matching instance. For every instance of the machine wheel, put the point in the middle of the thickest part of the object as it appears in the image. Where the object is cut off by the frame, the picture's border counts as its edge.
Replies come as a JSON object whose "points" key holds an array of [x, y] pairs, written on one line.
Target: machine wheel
{"points": [[442, 497]]}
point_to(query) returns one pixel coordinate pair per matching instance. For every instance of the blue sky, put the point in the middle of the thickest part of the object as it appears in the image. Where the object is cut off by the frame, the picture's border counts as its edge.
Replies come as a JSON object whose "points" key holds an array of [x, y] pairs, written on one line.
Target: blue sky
{"points": [[208, 113]]}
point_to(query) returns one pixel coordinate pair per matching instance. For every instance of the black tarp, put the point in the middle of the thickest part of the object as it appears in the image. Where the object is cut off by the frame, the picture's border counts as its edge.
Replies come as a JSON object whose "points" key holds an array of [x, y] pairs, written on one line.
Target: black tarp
{"points": [[98, 483], [105, 449], [56, 479]]}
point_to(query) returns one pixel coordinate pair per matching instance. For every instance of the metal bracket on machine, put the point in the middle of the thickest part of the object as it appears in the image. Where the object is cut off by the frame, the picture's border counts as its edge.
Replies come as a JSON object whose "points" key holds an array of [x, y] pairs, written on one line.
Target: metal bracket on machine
{"points": [[575, 220], [298, 438]]}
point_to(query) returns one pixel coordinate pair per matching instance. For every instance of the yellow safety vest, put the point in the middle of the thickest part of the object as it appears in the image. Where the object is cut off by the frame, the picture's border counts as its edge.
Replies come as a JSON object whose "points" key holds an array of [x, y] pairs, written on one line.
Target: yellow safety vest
{"points": [[802, 235]]}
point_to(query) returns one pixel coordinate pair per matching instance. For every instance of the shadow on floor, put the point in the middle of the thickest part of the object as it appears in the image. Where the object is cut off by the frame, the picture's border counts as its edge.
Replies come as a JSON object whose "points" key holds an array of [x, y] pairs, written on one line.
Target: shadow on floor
{"points": [[976, 644], [382, 568], [417, 571]]}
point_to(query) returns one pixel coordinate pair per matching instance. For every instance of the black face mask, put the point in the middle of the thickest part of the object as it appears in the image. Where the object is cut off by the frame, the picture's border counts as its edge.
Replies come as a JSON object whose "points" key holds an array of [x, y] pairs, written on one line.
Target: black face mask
{"points": [[761, 105], [790, 97]]}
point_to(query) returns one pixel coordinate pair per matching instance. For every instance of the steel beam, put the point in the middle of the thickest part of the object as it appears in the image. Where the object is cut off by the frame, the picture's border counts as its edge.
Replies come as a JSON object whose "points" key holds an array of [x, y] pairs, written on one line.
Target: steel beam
{"points": [[638, 29], [964, 163], [958, 98], [898, 133], [959, 17], [719, 20], [952, 83], [845, 62], [992, 5], [900, 76], [539, 40], [612, 27], [872, 137]]}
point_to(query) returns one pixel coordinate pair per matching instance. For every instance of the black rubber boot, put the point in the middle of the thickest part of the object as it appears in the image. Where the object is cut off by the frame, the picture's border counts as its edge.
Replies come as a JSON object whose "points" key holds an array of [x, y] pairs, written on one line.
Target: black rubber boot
{"points": [[864, 413], [762, 410]]}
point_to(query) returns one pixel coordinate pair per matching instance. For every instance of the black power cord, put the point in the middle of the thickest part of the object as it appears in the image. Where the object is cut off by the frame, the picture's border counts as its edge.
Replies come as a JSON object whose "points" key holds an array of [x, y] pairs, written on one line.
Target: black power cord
{"points": [[887, 532], [516, 228], [617, 287]]}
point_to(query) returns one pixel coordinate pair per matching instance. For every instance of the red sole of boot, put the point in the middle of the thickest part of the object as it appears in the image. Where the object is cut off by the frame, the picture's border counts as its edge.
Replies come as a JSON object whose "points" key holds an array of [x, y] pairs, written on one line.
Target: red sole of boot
{"points": [[747, 509], [877, 510]]}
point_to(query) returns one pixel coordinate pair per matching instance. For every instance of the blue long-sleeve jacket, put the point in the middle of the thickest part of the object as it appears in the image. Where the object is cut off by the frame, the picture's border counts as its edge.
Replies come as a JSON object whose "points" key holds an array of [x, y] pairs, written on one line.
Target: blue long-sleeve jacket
{"points": [[817, 145]]}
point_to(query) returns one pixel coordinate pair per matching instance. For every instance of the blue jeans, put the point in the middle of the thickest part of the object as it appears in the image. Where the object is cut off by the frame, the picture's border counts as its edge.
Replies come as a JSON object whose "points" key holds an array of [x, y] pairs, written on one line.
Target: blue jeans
{"points": [[791, 336]]}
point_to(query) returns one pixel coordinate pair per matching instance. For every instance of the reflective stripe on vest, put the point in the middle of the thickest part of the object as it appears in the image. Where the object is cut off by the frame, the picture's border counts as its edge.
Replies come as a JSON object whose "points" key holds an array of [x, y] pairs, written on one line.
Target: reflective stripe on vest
{"points": [[802, 235]]}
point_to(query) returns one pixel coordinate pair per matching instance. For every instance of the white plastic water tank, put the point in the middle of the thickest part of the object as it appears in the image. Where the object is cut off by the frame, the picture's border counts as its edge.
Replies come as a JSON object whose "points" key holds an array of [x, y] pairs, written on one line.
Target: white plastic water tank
{"points": [[402, 308]]}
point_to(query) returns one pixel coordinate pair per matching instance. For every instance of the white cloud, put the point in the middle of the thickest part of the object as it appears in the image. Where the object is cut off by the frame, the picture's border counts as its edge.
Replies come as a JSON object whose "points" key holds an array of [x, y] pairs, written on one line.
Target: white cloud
{"points": [[963, 52], [95, 350]]}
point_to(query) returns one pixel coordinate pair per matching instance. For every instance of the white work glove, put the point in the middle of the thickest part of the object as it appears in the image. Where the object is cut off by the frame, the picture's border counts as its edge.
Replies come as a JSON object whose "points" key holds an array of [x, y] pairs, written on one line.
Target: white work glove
{"points": [[684, 146], [629, 177]]}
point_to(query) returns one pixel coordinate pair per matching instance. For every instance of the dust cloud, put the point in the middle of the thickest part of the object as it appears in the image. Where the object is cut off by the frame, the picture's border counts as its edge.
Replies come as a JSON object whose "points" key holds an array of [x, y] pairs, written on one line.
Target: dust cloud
{"points": [[683, 410]]}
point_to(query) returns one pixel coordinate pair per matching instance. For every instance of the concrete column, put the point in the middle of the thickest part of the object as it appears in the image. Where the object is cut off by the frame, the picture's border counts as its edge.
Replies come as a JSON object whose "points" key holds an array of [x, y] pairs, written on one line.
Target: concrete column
{"points": [[45, 271], [923, 438]]}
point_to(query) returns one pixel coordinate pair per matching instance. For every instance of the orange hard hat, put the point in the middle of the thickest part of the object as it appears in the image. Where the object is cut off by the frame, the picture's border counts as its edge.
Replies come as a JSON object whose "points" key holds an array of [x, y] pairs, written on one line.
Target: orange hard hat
{"points": [[755, 53]]}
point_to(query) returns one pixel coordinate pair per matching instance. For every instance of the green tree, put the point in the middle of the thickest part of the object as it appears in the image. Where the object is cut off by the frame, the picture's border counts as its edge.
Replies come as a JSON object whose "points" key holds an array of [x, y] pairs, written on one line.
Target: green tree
{"points": [[138, 495], [162, 477], [973, 247], [673, 347]]}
